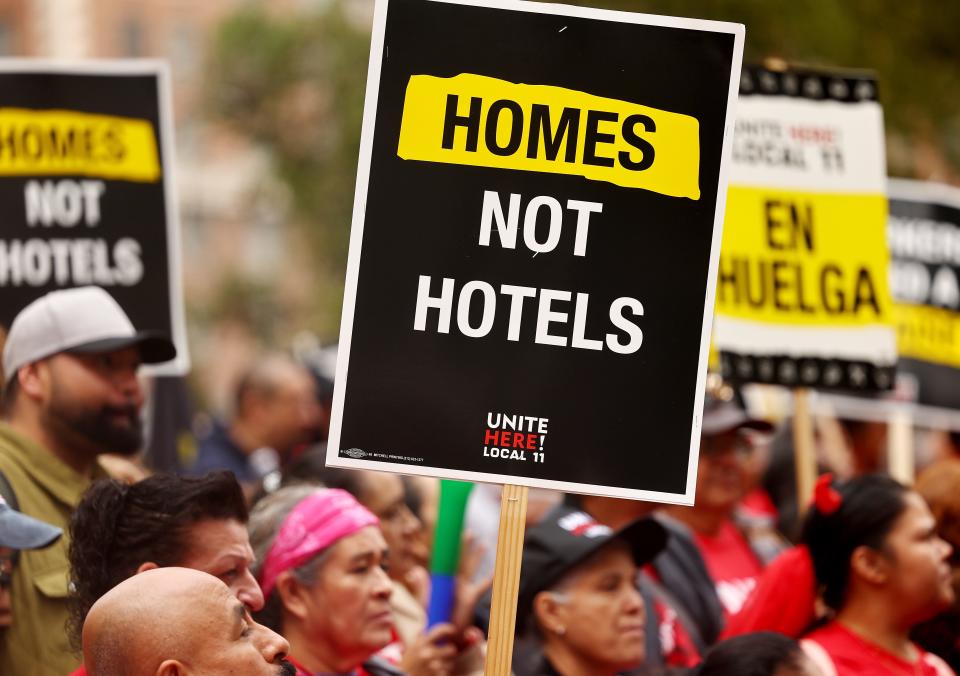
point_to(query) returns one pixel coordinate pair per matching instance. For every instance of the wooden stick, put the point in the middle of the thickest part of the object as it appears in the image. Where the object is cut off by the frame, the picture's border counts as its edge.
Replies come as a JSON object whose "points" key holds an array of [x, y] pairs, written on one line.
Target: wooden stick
{"points": [[506, 580], [900, 447], [804, 455]]}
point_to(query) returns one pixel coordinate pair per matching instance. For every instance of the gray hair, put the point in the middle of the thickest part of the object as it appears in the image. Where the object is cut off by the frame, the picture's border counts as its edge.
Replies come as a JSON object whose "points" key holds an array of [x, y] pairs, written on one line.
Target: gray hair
{"points": [[265, 520]]}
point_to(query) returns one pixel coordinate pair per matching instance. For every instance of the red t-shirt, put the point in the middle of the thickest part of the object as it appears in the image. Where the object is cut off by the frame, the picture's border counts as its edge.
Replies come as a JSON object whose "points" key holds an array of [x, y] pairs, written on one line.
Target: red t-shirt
{"points": [[732, 565], [784, 600], [676, 645], [82, 671], [840, 652]]}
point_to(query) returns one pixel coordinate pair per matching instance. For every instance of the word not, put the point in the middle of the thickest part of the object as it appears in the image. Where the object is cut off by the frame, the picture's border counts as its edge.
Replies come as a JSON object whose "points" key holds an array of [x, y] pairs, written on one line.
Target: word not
{"points": [[63, 203], [508, 225], [547, 316]]}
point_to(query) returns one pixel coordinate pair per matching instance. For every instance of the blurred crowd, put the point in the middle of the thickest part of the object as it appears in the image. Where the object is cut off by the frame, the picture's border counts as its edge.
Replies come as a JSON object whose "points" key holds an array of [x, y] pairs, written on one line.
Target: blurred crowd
{"points": [[259, 559]]}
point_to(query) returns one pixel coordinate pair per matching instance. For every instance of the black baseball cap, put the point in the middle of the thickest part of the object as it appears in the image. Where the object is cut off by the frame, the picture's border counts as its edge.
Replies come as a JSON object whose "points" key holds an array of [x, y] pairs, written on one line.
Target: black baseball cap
{"points": [[722, 412], [567, 537]]}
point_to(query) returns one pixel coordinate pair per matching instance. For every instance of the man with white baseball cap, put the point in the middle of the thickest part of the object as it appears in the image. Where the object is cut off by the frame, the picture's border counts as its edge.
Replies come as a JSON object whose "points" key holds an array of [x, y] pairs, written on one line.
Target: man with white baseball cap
{"points": [[70, 393]]}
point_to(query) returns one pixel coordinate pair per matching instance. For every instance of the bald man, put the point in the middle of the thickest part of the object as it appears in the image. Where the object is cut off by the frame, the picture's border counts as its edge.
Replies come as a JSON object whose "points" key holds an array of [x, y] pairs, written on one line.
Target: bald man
{"points": [[178, 622]]}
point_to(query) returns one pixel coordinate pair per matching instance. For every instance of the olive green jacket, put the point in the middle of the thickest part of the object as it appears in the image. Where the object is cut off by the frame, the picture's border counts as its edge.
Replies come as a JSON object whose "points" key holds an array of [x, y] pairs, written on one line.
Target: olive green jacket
{"points": [[46, 489]]}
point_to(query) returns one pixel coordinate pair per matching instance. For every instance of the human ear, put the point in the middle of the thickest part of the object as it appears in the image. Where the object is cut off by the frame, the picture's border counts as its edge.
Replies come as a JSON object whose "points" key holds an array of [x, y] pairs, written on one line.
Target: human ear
{"points": [[145, 566], [549, 613], [870, 565], [32, 380], [171, 668], [292, 595]]}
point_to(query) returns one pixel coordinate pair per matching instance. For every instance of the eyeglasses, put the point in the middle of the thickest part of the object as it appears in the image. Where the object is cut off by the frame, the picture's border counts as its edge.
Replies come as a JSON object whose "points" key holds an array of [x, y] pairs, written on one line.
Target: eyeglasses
{"points": [[742, 443]]}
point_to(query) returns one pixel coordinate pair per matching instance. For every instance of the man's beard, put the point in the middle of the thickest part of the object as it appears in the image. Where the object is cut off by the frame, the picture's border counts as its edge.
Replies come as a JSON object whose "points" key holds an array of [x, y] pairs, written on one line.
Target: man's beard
{"points": [[287, 669], [96, 428]]}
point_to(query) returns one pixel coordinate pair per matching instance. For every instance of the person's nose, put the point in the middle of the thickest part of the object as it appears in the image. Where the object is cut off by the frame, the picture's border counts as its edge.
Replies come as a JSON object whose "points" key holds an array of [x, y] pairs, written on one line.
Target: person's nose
{"points": [[382, 586], [633, 602], [272, 645], [129, 386], [248, 592], [946, 549], [411, 524]]}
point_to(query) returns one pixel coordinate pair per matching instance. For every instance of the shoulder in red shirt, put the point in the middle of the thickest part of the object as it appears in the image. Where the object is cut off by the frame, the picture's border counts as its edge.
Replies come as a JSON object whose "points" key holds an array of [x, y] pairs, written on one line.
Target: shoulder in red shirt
{"points": [[732, 565], [853, 655]]}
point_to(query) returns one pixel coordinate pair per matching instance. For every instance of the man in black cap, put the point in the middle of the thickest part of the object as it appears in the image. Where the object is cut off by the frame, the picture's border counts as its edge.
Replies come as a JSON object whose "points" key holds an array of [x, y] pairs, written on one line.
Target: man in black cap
{"points": [[734, 556], [579, 606], [70, 393]]}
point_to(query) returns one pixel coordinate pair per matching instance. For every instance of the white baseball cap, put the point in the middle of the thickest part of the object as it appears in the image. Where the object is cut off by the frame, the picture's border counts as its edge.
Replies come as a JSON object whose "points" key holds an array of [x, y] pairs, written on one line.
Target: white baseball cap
{"points": [[85, 319]]}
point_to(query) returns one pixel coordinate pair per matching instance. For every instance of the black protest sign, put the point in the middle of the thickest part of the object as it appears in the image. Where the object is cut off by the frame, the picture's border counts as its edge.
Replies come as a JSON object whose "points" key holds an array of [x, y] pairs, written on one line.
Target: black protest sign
{"points": [[923, 233], [86, 189], [535, 227]]}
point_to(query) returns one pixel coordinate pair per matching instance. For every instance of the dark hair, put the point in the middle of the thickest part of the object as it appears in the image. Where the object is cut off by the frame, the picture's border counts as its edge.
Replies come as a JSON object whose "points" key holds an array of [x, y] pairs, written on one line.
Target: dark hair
{"points": [[311, 468], [759, 654], [869, 506], [117, 527]]}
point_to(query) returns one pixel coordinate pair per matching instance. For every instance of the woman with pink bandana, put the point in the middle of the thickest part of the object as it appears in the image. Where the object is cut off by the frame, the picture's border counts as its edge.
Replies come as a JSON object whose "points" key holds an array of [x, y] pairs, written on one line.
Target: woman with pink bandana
{"points": [[322, 567]]}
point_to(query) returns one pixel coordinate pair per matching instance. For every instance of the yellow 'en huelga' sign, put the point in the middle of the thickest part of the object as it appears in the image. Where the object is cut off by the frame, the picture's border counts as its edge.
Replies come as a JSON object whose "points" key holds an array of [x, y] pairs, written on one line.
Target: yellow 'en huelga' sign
{"points": [[67, 142], [793, 257], [483, 121]]}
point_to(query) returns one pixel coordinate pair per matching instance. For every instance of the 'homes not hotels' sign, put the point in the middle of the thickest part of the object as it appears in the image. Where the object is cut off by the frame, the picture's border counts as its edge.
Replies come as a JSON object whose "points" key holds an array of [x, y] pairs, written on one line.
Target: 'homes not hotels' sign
{"points": [[87, 192], [532, 255]]}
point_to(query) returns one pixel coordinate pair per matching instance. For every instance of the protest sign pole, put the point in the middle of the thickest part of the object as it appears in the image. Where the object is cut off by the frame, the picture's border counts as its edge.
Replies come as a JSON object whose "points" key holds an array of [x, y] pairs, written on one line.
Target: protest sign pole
{"points": [[506, 580], [900, 462], [804, 456]]}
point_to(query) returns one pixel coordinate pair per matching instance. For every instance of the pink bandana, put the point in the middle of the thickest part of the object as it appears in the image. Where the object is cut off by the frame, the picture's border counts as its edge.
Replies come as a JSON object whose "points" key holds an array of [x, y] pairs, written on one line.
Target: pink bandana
{"points": [[318, 521]]}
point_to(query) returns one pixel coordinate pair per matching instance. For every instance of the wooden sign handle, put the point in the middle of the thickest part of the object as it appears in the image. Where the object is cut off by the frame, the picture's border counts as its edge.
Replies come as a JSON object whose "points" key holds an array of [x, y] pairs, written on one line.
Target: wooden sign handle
{"points": [[804, 453], [900, 459], [506, 580]]}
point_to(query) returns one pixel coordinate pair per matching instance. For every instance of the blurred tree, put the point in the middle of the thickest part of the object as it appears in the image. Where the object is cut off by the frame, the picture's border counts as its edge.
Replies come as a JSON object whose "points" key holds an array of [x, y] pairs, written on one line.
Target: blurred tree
{"points": [[295, 84], [912, 46]]}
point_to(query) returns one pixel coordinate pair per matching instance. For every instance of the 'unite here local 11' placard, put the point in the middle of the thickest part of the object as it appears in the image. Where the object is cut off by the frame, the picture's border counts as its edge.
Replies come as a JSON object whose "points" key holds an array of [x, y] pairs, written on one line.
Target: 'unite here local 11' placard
{"points": [[534, 246]]}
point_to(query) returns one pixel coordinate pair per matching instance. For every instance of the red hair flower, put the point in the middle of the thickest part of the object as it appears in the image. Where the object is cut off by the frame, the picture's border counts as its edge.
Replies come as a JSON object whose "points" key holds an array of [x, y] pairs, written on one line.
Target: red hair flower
{"points": [[825, 497]]}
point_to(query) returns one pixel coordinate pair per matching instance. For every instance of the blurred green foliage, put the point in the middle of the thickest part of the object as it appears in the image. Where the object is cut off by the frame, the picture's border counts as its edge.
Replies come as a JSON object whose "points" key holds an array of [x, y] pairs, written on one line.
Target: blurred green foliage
{"points": [[296, 86], [913, 47]]}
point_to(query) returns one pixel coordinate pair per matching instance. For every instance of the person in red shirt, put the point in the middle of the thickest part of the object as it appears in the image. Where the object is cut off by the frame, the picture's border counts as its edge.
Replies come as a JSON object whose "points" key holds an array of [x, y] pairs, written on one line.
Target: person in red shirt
{"points": [[882, 569], [727, 440]]}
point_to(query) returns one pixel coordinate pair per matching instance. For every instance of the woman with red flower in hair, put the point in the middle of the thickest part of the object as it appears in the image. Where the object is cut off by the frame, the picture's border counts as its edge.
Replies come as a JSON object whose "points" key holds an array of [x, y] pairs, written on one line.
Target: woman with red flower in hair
{"points": [[881, 569]]}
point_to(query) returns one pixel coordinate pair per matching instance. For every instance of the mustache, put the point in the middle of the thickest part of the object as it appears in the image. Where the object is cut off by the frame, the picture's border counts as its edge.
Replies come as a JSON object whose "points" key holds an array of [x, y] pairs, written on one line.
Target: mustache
{"points": [[286, 669], [129, 410]]}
